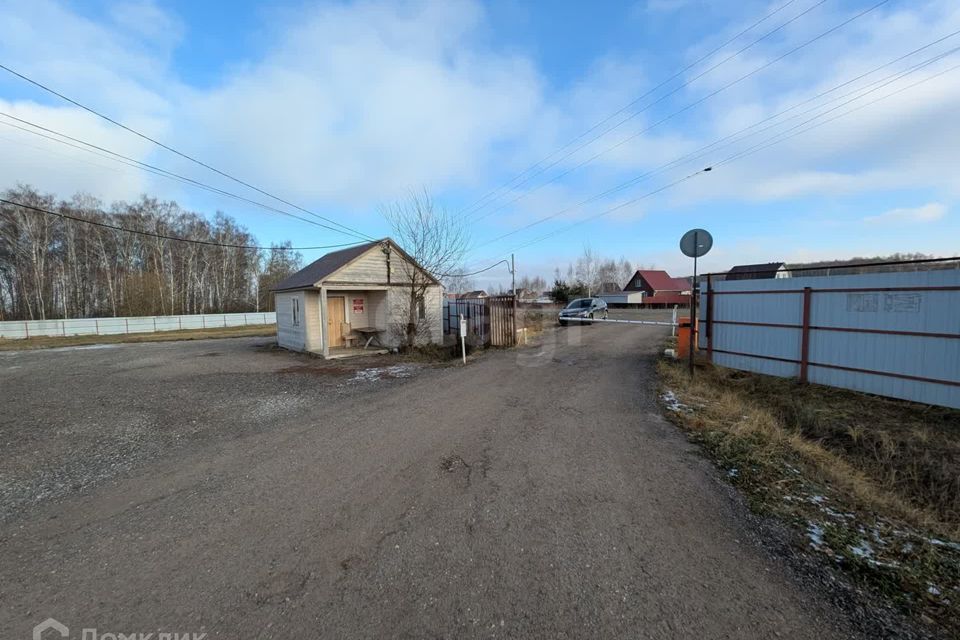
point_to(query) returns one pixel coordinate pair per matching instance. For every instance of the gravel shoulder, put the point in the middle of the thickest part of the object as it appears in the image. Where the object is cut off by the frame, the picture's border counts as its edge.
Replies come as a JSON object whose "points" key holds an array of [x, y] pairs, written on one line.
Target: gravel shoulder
{"points": [[534, 493]]}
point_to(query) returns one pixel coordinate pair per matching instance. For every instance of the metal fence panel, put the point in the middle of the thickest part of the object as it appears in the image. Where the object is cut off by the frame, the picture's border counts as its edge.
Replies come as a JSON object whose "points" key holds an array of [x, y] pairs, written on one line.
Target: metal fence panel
{"points": [[895, 334], [20, 329]]}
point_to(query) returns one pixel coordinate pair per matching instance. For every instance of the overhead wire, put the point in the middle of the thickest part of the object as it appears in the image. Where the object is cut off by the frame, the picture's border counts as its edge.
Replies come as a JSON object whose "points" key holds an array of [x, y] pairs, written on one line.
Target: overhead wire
{"points": [[159, 171], [702, 151], [757, 148], [179, 153], [162, 236], [687, 107], [626, 107]]}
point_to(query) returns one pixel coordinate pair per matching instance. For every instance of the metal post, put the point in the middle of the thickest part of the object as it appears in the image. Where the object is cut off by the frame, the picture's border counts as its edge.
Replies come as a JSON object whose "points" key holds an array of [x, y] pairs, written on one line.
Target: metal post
{"points": [[513, 276], [709, 317], [805, 336], [26, 329], [126, 323], [673, 329], [463, 338], [693, 302]]}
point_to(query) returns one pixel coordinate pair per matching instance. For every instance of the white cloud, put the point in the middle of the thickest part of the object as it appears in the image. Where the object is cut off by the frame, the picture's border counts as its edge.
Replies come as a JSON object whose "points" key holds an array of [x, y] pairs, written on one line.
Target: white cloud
{"points": [[931, 212], [353, 103]]}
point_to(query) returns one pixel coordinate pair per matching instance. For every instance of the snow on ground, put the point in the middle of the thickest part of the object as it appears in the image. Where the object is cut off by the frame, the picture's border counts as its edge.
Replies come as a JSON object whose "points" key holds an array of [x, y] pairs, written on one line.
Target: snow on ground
{"points": [[373, 374]]}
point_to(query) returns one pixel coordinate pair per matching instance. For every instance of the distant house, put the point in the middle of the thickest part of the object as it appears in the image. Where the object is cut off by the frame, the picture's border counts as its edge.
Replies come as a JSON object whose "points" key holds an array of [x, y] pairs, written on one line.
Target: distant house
{"points": [[525, 295], [365, 288], [479, 294], [652, 288], [765, 271]]}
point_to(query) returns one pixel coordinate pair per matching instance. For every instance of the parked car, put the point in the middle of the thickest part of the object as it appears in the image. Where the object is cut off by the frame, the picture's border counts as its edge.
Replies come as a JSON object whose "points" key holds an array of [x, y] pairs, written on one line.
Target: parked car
{"points": [[589, 308]]}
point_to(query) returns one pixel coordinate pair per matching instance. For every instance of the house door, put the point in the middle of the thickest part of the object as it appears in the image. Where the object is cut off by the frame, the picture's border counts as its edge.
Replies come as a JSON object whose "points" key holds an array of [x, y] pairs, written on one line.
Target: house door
{"points": [[335, 318]]}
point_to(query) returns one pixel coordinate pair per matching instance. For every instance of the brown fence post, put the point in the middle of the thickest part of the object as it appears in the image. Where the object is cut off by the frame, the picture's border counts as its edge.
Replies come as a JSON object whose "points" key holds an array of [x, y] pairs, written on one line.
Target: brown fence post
{"points": [[709, 318], [805, 335]]}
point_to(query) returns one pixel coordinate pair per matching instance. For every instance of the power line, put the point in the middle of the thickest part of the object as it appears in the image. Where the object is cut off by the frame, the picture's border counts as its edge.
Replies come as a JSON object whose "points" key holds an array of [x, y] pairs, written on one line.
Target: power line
{"points": [[153, 169], [179, 153], [464, 275], [164, 236], [762, 146], [688, 107], [703, 151], [627, 107], [752, 150]]}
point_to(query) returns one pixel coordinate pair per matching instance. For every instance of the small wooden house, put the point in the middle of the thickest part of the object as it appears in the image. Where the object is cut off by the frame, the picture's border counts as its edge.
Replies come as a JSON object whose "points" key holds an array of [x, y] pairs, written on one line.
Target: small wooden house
{"points": [[357, 294]]}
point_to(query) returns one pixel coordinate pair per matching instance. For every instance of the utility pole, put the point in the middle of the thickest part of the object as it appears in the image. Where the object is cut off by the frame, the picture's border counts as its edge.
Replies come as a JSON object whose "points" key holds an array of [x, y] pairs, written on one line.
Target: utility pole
{"points": [[513, 278]]}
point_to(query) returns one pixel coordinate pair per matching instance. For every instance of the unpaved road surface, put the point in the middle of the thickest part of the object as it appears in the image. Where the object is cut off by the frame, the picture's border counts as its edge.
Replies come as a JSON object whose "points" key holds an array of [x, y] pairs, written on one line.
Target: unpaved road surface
{"points": [[534, 493]]}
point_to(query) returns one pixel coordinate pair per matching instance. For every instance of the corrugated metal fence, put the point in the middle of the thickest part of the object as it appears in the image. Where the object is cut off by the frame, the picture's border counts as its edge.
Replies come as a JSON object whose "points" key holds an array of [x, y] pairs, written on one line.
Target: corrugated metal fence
{"points": [[18, 329], [892, 334]]}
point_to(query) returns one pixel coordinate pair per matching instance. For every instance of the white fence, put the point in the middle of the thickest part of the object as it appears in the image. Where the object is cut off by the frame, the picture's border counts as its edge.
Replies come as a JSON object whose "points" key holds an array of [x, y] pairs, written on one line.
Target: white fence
{"points": [[891, 334], [19, 329]]}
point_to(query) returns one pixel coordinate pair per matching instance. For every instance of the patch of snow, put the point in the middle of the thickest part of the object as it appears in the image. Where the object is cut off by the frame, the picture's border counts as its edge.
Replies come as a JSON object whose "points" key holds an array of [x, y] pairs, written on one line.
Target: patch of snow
{"points": [[863, 550], [374, 374], [673, 403], [933, 590], [942, 543], [733, 473], [817, 499], [833, 513], [815, 533]]}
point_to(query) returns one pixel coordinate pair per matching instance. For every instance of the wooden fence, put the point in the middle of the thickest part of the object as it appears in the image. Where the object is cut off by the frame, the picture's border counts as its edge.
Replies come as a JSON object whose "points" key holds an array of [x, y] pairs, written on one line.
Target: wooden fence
{"points": [[491, 321]]}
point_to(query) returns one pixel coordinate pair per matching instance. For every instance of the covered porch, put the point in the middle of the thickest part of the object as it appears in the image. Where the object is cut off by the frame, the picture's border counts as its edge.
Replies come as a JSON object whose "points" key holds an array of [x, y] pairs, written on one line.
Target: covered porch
{"points": [[353, 320]]}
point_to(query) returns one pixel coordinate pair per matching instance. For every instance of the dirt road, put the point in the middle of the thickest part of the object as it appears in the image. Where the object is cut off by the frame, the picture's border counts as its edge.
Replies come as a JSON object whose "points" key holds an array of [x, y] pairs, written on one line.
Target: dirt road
{"points": [[534, 493]]}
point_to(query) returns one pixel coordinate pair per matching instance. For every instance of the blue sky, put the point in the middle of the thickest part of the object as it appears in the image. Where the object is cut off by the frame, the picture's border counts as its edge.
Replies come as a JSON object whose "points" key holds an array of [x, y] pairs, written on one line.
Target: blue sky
{"points": [[341, 107]]}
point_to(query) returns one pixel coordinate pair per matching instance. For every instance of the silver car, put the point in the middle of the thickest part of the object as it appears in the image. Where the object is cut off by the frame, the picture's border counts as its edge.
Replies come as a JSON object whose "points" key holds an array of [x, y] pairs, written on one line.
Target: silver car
{"points": [[582, 310]]}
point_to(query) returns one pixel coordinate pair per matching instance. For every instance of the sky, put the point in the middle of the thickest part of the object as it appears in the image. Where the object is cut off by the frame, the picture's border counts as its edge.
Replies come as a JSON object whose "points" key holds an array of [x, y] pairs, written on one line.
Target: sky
{"points": [[492, 108]]}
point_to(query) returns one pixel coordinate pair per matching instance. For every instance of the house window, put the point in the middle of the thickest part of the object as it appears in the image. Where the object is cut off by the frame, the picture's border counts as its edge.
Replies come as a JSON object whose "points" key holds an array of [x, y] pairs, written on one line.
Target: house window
{"points": [[421, 308], [295, 309]]}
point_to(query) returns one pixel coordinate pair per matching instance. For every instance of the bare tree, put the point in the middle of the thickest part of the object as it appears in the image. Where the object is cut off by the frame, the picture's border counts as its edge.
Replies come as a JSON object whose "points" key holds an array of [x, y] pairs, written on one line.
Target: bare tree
{"points": [[53, 267], [436, 240], [458, 281], [588, 270]]}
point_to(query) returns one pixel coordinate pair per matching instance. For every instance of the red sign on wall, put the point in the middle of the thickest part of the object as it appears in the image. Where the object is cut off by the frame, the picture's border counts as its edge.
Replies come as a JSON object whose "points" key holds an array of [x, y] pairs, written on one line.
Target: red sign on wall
{"points": [[358, 305]]}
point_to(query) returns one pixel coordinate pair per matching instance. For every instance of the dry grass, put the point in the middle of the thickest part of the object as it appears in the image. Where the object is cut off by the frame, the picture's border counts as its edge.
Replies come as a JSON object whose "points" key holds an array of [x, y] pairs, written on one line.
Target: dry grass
{"points": [[162, 336], [874, 482]]}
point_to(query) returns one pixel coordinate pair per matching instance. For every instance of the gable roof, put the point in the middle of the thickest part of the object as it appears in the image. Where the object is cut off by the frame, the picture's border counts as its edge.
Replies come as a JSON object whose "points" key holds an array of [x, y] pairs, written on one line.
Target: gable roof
{"points": [[328, 264], [661, 280], [320, 269], [764, 271]]}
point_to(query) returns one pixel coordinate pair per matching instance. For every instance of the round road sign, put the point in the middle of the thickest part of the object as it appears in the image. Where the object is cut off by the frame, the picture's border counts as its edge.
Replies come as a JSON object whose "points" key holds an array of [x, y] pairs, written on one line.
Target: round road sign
{"points": [[696, 243]]}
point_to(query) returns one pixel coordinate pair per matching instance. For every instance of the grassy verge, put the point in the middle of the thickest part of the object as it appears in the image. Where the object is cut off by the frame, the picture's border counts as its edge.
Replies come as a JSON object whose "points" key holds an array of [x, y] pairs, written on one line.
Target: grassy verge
{"points": [[872, 484], [162, 336]]}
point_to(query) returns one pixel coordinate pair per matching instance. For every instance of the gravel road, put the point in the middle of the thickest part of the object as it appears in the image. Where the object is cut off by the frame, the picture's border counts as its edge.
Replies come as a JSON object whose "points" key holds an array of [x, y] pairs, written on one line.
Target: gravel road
{"points": [[256, 494]]}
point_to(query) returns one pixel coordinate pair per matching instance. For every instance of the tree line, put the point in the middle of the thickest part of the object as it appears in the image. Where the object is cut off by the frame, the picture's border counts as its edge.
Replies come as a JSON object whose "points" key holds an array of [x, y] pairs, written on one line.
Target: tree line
{"points": [[52, 267]]}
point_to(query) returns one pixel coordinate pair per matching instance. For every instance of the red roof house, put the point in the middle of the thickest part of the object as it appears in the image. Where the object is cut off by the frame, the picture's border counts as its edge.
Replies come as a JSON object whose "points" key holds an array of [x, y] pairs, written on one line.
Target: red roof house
{"points": [[659, 288]]}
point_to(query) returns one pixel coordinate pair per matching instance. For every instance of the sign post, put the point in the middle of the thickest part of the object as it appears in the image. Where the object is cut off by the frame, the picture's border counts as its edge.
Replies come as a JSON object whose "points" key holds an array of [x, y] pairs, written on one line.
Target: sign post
{"points": [[695, 243], [463, 338]]}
